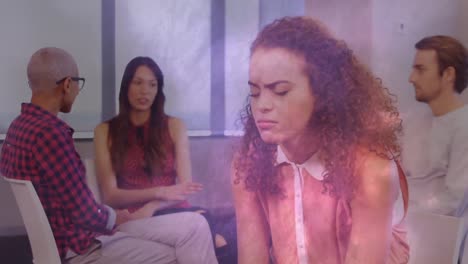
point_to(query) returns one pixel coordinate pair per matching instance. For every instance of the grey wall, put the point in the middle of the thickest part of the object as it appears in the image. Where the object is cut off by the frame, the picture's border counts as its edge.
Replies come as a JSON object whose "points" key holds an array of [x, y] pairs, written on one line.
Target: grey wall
{"points": [[26, 26], [273, 9], [349, 20]]}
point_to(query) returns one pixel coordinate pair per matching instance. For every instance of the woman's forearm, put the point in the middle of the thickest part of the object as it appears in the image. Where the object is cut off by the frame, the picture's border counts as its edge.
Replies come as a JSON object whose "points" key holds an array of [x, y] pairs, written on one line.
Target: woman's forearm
{"points": [[122, 198]]}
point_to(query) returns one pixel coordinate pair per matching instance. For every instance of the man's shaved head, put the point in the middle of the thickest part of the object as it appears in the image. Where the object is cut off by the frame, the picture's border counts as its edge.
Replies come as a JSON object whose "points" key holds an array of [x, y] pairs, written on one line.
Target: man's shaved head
{"points": [[48, 65]]}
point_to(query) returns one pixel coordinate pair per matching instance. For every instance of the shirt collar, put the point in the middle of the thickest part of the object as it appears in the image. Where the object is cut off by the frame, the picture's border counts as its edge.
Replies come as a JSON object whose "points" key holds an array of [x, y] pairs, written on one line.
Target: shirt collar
{"points": [[313, 165], [39, 112]]}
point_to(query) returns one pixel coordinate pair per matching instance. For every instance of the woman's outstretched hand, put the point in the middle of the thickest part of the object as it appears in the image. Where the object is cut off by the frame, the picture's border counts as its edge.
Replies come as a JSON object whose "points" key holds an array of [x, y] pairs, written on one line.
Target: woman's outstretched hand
{"points": [[180, 191]]}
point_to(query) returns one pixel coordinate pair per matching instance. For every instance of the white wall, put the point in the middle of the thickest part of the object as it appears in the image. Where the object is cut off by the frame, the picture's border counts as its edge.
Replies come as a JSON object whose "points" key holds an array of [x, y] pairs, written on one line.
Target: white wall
{"points": [[463, 32], [349, 20], [242, 25], [176, 34], [463, 21], [26, 26]]}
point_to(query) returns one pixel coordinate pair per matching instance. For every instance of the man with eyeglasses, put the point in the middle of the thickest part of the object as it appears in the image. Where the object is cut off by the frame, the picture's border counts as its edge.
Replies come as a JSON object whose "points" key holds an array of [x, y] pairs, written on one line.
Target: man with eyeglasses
{"points": [[39, 147], [80, 80]]}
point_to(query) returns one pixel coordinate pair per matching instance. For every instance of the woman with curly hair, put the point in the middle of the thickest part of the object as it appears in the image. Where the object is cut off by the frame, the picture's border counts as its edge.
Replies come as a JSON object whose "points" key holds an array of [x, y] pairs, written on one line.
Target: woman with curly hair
{"points": [[315, 179]]}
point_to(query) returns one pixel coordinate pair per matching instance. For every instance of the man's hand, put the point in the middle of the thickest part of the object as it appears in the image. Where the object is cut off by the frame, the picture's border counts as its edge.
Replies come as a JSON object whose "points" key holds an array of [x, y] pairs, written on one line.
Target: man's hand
{"points": [[123, 216]]}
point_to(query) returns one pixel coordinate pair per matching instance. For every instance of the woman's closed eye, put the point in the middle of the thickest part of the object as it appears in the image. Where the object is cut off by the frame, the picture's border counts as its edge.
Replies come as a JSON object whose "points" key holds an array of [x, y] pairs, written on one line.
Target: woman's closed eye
{"points": [[281, 89], [281, 93], [254, 94]]}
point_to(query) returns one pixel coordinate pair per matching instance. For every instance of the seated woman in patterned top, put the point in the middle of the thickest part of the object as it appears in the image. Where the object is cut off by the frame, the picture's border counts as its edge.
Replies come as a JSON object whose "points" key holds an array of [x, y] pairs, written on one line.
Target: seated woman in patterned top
{"points": [[142, 154], [315, 179]]}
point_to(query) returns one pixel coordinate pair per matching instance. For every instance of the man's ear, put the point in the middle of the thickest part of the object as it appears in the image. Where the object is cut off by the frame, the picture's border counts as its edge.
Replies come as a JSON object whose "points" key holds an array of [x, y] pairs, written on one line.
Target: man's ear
{"points": [[67, 85], [449, 75]]}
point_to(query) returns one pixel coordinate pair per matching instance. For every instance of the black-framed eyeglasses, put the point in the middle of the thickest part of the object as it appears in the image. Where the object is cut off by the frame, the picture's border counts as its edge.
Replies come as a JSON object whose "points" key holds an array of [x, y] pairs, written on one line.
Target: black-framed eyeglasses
{"points": [[80, 80]]}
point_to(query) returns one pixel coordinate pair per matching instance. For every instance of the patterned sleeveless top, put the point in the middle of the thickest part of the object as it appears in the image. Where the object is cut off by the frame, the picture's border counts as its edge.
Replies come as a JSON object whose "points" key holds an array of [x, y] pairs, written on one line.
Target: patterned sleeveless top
{"points": [[134, 176]]}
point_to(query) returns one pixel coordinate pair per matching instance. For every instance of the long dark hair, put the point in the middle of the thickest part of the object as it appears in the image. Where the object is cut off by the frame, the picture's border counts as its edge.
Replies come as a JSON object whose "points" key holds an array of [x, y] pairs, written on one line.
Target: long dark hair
{"points": [[353, 109], [119, 126]]}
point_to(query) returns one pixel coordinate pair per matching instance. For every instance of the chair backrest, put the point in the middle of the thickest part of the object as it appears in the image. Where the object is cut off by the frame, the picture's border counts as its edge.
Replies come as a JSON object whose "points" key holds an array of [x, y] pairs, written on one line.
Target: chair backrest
{"points": [[35, 220], [434, 238], [91, 179], [463, 213]]}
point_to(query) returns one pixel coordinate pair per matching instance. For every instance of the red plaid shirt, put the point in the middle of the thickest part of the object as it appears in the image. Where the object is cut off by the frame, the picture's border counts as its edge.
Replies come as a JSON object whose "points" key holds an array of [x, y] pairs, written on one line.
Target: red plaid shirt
{"points": [[39, 148]]}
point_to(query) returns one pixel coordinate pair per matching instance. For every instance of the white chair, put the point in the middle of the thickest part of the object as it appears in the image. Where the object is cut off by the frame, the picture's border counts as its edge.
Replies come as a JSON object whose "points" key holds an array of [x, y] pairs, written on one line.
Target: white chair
{"points": [[91, 179], [35, 220], [464, 253], [433, 238], [462, 211], [464, 246]]}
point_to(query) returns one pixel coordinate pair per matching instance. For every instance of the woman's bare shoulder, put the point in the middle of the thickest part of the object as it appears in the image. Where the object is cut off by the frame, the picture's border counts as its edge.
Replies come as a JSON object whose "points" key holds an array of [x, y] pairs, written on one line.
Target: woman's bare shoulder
{"points": [[102, 128], [376, 177]]}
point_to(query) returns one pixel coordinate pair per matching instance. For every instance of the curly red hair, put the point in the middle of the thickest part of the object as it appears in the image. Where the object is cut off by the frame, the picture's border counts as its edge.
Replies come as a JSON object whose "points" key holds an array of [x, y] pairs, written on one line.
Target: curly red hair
{"points": [[353, 109]]}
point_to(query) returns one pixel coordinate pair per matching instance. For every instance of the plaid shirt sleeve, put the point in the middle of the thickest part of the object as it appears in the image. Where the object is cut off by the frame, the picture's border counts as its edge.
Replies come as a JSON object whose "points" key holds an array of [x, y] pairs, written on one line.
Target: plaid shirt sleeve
{"points": [[61, 167]]}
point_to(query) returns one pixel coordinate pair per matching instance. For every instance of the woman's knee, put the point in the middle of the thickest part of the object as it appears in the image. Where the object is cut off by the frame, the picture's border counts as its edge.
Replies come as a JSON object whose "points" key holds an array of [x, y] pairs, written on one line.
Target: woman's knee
{"points": [[197, 223]]}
